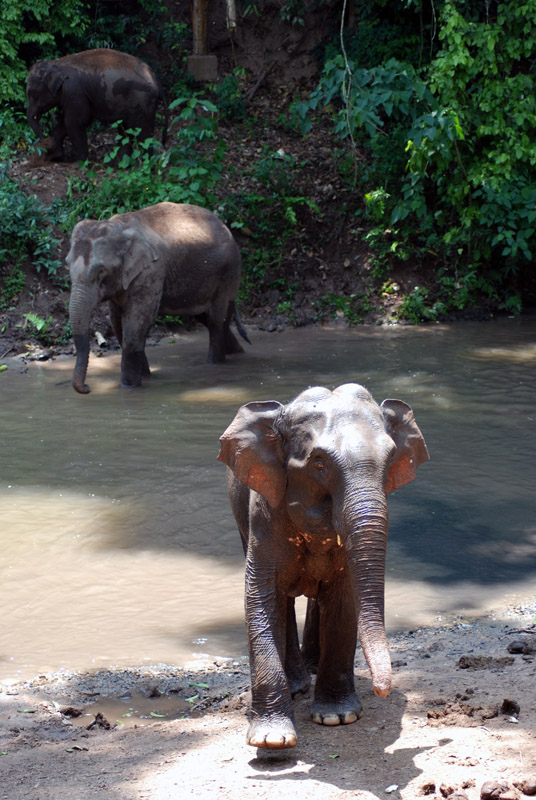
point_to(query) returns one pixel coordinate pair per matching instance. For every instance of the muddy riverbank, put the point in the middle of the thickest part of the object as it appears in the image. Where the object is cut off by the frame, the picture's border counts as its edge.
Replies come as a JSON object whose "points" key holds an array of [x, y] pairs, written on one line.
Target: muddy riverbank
{"points": [[462, 714]]}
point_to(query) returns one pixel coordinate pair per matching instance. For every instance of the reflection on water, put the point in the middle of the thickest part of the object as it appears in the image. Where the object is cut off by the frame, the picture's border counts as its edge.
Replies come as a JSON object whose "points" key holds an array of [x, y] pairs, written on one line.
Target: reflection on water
{"points": [[118, 544]]}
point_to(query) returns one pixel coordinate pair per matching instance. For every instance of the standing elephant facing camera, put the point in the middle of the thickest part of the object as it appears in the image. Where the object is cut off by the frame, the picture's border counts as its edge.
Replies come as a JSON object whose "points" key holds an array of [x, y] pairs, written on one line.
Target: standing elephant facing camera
{"points": [[104, 85], [168, 258], [308, 484]]}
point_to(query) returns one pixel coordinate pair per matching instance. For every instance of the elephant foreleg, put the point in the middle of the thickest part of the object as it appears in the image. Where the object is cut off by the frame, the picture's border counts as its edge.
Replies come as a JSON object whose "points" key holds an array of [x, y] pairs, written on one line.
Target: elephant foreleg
{"points": [[76, 122], [134, 363], [335, 701], [59, 132], [271, 721]]}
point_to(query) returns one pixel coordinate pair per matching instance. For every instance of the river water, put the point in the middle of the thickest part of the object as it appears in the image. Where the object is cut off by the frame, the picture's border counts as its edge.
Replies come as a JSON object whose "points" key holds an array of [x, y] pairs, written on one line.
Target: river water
{"points": [[118, 546]]}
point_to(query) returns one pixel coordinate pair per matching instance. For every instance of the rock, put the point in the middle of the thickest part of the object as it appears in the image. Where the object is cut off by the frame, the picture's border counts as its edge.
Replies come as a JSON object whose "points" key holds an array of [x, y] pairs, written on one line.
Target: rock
{"points": [[492, 790], [428, 788], [510, 708], [527, 786], [483, 662], [521, 646]]}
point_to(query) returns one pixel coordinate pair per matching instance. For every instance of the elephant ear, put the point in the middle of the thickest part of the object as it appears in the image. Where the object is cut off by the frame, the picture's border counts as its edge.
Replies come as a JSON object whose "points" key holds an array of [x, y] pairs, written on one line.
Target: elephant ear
{"points": [[139, 254], [411, 450], [54, 79], [253, 449]]}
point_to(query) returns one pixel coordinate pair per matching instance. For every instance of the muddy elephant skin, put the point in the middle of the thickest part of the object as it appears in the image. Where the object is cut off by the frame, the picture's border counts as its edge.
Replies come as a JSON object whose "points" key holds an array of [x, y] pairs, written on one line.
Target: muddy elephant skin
{"points": [[104, 85], [169, 258], [308, 484]]}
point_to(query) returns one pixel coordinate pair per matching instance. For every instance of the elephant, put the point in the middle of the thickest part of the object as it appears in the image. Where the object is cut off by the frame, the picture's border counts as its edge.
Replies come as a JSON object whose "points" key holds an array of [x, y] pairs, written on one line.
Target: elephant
{"points": [[169, 258], [308, 483], [104, 85]]}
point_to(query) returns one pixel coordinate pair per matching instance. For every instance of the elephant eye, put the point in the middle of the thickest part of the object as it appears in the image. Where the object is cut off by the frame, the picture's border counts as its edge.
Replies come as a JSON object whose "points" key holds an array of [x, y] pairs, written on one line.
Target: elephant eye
{"points": [[319, 463]]}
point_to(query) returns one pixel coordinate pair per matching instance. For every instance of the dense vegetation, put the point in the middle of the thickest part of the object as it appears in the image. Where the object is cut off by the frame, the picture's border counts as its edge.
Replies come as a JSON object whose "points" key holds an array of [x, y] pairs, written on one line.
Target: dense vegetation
{"points": [[433, 114]]}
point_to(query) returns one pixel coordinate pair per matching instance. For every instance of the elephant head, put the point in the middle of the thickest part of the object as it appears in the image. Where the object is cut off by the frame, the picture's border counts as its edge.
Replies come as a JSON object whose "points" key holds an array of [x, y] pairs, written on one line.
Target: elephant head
{"points": [[324, 465], [43, 89], [104, 260]]}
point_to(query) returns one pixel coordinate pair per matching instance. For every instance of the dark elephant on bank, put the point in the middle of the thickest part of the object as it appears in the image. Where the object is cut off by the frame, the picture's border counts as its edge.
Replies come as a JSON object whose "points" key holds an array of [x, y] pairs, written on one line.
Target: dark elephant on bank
{"points": [[308, 484], [104, 85], [169, 258]]}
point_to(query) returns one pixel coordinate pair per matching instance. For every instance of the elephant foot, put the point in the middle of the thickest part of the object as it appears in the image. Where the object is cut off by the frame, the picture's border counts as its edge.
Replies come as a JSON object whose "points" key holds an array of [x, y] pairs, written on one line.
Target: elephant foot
{"points": [[343, 712], [216, 358], [272, 732], [300, 685]]}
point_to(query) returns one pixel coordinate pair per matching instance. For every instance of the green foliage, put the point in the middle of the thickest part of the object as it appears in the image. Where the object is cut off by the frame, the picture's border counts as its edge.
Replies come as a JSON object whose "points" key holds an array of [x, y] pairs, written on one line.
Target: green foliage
{"points": [[124, 31], [25, 228], [368, 99], [187, 172], [15, 134], [33, 27], [414, 307], [274, 218], [39, 326], [472, 164], [230, 97], [12, 285], [447, 156], [352, 308], [379, 34]]}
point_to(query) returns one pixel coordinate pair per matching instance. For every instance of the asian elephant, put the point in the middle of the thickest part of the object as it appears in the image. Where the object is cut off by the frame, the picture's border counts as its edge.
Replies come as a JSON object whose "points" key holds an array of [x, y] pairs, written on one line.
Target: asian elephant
{"points": [[104, 85], [169, 258], [308, 484]]}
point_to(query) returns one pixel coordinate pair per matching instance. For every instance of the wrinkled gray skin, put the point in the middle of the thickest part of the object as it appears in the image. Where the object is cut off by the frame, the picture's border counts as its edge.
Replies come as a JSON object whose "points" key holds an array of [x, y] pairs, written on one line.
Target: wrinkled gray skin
{"points": [[308, 484], [103, 85], [168, 258]]}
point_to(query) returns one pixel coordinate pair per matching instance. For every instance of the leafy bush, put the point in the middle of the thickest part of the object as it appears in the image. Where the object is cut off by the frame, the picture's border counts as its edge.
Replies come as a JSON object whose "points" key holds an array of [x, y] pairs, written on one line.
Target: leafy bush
{"points": [[271, 214], [472, 165], [25, 228], [31, 29], [187, 172], [12, 285], [455, 176], [230, 97]]}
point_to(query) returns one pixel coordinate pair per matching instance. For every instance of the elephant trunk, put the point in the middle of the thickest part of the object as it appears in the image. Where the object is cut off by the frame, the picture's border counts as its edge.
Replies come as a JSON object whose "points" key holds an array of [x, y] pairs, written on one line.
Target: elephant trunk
{"points": [[364, 524], [34, 123], [81, 305]]}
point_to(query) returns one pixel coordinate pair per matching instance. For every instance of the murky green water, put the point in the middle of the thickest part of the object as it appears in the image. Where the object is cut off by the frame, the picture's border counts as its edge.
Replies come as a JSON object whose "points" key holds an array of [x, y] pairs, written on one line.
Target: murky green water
{"points": [[117, 541]]}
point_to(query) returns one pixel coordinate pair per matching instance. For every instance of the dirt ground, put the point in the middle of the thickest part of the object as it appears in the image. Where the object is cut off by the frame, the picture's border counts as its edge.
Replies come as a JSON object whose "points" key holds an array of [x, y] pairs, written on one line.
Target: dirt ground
{"points": [[460, 723]]}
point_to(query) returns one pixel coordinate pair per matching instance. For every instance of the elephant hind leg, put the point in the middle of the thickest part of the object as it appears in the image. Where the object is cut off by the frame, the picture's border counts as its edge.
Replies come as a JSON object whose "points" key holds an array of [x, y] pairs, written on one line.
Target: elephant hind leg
{"points": [[216, 337], [232, 345]]}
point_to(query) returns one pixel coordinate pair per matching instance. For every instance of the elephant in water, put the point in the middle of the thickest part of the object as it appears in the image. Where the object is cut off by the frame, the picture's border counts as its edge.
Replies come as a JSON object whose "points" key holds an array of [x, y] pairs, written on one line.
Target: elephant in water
{"points": [[104, 85], [308, 484], [168, 258]]}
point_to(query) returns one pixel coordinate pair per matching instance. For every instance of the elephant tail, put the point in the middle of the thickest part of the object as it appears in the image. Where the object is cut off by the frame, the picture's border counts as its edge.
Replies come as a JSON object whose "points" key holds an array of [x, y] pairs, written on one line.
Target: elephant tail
{"points": [[239, 327]]}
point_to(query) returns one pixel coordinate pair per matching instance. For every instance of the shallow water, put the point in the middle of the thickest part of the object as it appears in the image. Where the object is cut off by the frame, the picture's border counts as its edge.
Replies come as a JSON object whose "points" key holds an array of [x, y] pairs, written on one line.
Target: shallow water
{"points": [[118, 543]]}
